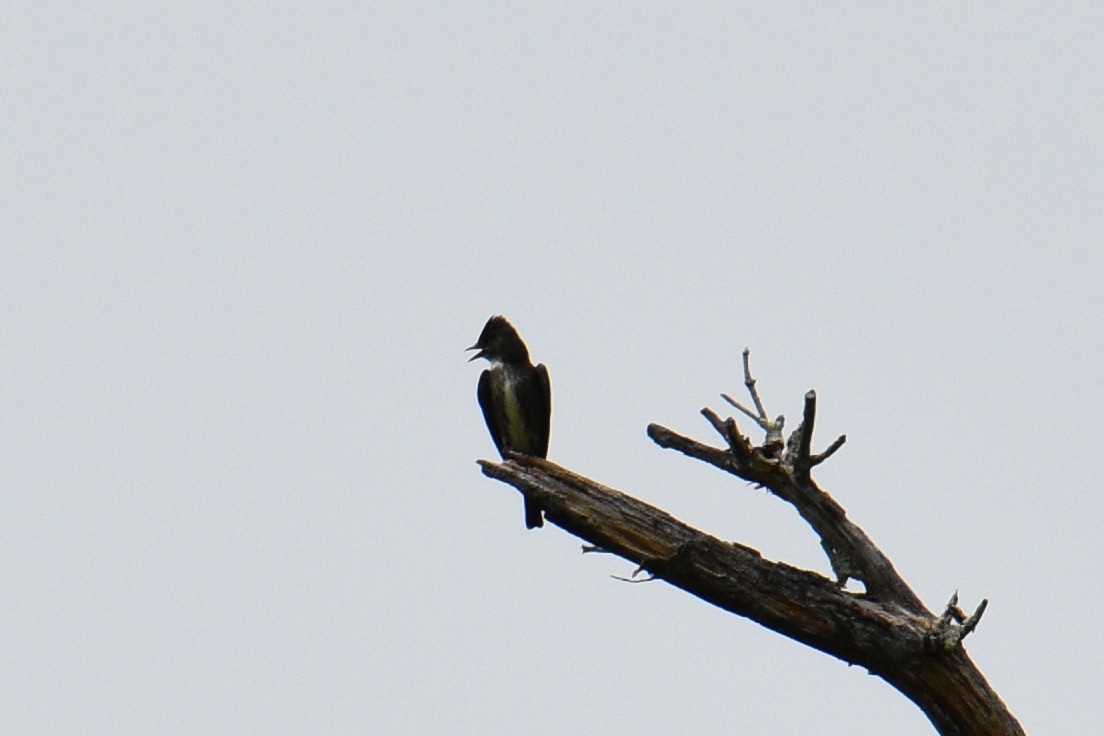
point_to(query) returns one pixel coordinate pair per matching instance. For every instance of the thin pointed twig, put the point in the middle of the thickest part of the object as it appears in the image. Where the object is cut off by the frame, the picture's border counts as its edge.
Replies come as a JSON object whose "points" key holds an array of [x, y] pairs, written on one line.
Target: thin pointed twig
{"points": [[761, 420], [822, 456], [718, 423], [971, 623], [773, 429], [750, 383], [952, 609], [633, 579]]}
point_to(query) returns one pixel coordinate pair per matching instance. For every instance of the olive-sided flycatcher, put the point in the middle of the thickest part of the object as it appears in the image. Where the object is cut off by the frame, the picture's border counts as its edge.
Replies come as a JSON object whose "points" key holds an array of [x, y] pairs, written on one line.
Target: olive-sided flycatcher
{"points": [[515, 396]]}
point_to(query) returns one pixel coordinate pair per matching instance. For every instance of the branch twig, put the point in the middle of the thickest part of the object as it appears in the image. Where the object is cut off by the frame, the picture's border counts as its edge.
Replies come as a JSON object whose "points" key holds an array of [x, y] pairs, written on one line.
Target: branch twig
{"points": [[802, 463], [773, 429], [954, 625], [831, 450], [850, 552]]}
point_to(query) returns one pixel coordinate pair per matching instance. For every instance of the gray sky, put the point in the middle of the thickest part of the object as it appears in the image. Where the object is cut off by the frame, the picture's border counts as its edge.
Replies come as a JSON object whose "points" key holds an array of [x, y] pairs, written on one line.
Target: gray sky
{"points": [[245, 246]]}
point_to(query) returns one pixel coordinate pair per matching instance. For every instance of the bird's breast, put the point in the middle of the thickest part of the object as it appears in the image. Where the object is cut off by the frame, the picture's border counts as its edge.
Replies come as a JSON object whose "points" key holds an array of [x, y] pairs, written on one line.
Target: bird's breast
{"points": [[512, 387]]}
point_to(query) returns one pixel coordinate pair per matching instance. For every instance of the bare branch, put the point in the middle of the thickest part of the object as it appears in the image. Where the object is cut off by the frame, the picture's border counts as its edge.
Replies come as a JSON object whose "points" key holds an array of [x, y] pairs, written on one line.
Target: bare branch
{"points": [[758, 419], [891, 641], [799, 603], [737, 443], [773, 429], [849, 550], [749, 382], [802, 463], [954, 625], [971, 623], [718, 423], [821, 457]]}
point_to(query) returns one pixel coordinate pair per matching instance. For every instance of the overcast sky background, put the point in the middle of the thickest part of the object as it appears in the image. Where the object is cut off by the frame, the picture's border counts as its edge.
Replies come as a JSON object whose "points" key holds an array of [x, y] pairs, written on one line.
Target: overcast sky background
{"points": [[245, 245]]}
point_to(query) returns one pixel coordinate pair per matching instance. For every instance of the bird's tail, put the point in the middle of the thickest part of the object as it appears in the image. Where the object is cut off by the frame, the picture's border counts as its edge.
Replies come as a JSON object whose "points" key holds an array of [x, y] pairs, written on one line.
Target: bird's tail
{"points": [[533, 517]]}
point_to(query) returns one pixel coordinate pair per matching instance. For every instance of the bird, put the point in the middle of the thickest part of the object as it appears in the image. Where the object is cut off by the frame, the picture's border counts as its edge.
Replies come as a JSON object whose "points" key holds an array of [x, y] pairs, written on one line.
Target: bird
{"points": [[516, 398]]}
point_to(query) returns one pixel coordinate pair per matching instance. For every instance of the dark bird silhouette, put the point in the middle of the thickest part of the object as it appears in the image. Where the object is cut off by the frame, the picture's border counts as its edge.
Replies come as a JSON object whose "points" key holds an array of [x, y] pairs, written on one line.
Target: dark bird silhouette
{"points": [[516, 398]]}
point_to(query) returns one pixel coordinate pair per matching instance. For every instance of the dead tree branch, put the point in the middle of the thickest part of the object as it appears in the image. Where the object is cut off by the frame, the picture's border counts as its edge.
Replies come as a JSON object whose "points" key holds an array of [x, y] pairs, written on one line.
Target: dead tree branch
{"points": [[885, 628]]}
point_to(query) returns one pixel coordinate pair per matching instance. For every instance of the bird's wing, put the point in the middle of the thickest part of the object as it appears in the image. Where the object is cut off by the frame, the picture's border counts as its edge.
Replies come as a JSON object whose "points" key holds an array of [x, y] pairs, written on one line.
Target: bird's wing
{"points": [[486, 403], [542, 424]]}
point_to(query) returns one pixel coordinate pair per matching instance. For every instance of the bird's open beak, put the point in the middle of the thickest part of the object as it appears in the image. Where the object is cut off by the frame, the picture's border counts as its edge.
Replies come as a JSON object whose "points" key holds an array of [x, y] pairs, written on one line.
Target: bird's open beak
{"points": [[477, 355]]}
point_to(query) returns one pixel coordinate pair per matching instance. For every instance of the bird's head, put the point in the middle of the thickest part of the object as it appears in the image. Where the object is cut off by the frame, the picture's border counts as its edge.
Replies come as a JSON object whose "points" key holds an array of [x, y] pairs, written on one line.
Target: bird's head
{"points": [[500, 342]]}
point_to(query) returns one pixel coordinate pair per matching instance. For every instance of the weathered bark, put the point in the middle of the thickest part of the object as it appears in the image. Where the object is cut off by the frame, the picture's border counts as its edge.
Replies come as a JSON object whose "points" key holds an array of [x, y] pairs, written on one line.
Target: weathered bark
{"points": [[885, 628]]}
